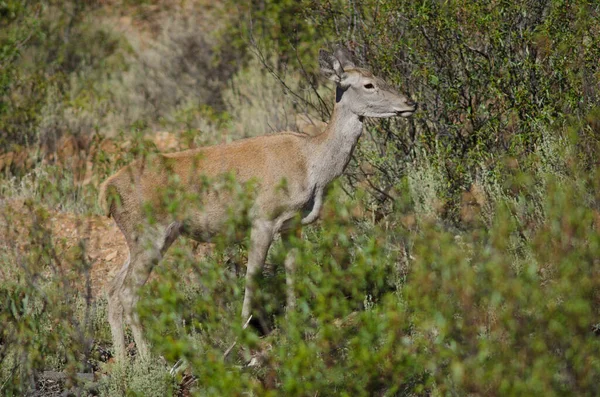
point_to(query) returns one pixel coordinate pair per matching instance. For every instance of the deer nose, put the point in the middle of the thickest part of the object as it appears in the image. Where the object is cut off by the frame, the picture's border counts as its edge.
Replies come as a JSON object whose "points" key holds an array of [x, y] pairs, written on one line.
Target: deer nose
{"points": [[412, 103]]}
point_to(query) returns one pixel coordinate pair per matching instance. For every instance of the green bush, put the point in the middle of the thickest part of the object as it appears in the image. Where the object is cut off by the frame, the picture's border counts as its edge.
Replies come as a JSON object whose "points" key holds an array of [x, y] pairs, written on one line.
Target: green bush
{"points": [[47, 314], [469, 314], [492, 79]]}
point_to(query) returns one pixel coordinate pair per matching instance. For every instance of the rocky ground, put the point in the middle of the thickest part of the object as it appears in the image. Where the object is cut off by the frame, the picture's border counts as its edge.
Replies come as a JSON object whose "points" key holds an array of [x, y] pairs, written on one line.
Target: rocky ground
{"points": [[105, 247]]}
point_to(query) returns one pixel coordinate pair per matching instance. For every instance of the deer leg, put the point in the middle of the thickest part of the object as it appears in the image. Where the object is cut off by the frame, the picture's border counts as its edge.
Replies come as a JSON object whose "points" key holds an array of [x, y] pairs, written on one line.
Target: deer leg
{"points": [[134, 277], [261, 237], [115, 313], [144, 256]]}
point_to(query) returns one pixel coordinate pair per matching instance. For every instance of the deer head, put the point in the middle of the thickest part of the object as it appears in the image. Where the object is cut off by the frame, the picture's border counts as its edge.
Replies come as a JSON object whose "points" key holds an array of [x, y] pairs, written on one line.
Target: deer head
{"points": [[359, 90]]}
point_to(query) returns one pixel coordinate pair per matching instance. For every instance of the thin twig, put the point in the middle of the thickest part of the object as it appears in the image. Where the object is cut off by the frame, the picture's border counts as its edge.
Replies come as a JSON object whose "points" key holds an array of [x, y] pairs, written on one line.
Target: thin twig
{"points": [[312, 86], [261, 57], [235, 342], [176, 367]]}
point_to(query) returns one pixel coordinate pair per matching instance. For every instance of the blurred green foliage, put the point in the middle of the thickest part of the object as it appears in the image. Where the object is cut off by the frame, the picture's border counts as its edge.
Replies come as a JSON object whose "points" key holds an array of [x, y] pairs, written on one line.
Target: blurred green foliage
{"points": [[469, 315], [492, 78], [43, 47]]}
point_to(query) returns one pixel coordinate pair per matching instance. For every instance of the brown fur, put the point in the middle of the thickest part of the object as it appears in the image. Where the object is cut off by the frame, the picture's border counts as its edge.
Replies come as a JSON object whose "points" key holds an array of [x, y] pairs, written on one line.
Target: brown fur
{"points": [[137, 183]]}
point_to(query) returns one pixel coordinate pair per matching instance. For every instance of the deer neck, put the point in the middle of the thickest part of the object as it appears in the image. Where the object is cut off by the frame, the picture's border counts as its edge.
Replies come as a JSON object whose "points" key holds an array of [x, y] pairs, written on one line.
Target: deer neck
{"points": [[334, 147]]}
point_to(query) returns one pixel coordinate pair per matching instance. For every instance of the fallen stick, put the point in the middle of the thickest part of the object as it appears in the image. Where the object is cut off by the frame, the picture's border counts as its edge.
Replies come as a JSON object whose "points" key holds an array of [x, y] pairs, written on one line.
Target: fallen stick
{"points": [[56, 376], [235, 342]]}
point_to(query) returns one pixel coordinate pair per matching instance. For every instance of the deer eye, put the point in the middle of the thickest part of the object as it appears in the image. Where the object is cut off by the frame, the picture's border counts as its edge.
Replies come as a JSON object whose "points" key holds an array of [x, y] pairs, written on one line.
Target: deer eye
{"points": [[369, 86]]}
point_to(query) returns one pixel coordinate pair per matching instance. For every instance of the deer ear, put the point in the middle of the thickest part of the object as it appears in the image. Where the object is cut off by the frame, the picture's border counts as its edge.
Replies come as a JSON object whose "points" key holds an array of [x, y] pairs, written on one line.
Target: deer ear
{"points": [[344, 57], [330, 66]]}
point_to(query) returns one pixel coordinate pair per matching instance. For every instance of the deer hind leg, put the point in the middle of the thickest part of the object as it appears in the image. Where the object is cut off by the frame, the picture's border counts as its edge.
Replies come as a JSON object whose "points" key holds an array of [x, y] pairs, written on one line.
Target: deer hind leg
{"points": [[115, 312], [261, 237], [145, 253]]}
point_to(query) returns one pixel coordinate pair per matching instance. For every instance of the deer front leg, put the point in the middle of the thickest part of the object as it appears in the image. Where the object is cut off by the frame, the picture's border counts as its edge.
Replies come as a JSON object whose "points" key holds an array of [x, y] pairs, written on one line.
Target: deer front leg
{"points": [[261, 237], [316, 209]]}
